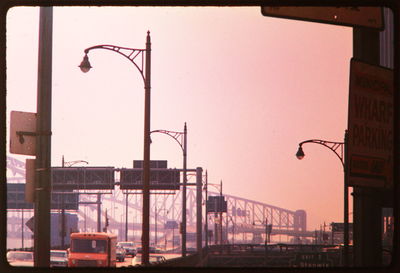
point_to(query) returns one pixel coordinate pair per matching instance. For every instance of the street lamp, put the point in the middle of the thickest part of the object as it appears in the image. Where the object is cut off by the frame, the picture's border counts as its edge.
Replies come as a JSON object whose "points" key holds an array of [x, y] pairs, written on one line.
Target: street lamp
{"points": [[181, 139], [71, 163], [340, 150], [144, 68], [63, 231]]}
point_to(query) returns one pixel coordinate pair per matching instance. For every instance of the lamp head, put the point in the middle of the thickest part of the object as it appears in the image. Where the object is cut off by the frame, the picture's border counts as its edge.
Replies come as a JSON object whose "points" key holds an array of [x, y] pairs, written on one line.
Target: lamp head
{"points": [[300, 153], [85, 65]]}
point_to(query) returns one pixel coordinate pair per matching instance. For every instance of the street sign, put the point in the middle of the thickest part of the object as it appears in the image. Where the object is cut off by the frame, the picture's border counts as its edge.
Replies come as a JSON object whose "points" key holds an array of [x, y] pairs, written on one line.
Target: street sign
{"points": [[370, 126], [311, 259], [171, 225], [216, 204], [16, 196], [65, 200], [160, 179], [77, 178], [371, 17], [339, 227], [59, 200], [22, 133], [31, 223], [154, 164]]}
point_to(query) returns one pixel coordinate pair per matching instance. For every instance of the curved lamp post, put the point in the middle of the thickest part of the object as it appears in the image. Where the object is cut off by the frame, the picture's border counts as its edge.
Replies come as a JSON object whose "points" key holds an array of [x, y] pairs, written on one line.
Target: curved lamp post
{"points": [[63, 232], [181, 139], [71, 163], [340, 150], [143, 65]]}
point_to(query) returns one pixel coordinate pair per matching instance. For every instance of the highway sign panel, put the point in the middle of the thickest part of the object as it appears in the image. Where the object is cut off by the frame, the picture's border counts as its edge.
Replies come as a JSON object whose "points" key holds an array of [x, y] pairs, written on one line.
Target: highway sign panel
{"points": [[154, 164], [16, 196], [59, 200], [79, 178], [216, 204], [160, 179], [370, 126], [371, 17]]}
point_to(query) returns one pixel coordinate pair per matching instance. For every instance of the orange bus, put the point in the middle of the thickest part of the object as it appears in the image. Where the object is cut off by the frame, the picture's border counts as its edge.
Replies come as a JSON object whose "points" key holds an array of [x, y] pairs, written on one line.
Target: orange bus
{"points": [[92, 249]]}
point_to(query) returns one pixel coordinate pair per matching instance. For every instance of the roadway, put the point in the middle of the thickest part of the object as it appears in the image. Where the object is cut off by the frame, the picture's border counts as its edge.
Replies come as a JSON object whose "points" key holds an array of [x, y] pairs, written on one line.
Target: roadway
{"points": [[128, 260]]}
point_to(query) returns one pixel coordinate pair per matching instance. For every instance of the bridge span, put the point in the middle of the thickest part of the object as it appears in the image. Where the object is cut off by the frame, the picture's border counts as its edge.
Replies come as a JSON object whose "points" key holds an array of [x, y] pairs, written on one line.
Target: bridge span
{"points": [[244, 222]]}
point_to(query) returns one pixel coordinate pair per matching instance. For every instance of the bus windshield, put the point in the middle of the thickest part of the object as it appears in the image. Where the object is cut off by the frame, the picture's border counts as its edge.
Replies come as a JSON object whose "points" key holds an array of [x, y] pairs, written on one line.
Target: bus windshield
{"points": [[89, 246]]}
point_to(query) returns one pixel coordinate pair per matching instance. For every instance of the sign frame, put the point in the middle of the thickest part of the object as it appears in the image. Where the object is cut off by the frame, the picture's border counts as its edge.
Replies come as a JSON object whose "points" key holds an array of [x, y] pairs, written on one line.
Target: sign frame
{"points": [[342, 16], [77, 180], [131, 179]]}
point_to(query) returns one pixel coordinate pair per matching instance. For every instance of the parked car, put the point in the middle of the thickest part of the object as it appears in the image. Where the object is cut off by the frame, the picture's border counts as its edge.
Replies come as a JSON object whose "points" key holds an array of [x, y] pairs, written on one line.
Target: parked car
{"points": [[20, 258], [121, 253], [137, 260], [58, 258], [152, 249], [130, 248]]}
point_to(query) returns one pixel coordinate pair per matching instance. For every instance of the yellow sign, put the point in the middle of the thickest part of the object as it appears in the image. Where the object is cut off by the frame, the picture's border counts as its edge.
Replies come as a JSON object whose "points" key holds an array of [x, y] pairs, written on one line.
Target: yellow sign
{"points": [[349, 16]]}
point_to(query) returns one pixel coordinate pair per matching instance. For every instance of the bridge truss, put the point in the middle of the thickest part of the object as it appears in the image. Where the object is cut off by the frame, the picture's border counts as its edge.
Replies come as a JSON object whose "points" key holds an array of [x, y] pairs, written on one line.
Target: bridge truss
{"points": [[244, 221]]}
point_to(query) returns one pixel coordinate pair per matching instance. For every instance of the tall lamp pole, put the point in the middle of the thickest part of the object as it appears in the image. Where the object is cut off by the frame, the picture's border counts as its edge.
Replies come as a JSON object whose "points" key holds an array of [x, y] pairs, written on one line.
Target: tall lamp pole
{"points": [[143, 65], [206, 218], [181, 139], [340, 149], [126, 215], [63, 231]]}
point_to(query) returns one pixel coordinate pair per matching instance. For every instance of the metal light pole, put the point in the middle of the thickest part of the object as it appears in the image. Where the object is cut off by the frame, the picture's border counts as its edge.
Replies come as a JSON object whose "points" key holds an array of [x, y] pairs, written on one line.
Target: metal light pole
{"points": [[22, 228], [63, 231], [206, 218], [334, 146], [181, 139], [126, 216], [144, 69], [220, 215]]}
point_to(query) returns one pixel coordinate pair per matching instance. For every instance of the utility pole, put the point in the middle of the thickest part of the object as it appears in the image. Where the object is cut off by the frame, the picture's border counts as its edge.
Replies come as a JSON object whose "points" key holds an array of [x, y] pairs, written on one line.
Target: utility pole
{"points": [[220, 213], [146, 159], [199, 237], [367, 207], [43, 141]]}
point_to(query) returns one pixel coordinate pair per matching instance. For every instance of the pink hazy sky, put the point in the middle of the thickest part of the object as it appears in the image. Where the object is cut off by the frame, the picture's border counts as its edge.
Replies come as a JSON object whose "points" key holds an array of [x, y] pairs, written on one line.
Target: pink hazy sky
{"points": [[249, 87]]}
